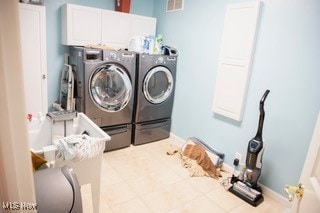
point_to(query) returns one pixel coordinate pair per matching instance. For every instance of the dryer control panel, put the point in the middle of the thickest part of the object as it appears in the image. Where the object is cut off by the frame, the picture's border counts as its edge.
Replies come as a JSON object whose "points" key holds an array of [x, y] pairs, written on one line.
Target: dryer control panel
{"points": [[154, 59], [118, 56]]}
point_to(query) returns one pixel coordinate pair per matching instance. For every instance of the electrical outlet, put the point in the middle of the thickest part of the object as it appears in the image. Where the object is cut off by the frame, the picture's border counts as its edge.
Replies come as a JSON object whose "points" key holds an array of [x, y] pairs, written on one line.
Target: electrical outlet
{"points": [[239, 156]]}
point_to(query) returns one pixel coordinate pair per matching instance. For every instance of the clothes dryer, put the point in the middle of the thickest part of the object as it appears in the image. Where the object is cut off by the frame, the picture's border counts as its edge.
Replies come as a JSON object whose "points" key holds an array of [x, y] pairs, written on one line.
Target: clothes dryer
{"points": [[154, 97], [108, 82]]}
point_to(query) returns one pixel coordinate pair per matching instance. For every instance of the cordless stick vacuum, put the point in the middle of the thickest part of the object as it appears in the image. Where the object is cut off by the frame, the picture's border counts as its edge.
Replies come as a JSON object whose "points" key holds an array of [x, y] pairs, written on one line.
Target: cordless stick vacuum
{"points": [[247, 189]]}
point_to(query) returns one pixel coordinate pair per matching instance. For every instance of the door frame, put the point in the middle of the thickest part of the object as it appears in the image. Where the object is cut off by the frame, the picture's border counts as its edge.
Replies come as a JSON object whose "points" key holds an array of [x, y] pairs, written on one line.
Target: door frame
{"points": [[16, 178]]}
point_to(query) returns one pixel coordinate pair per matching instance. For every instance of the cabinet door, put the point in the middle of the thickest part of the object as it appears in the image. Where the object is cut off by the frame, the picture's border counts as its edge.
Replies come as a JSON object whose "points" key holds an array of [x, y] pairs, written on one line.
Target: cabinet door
{"points": [[115, 29], [80, 25], [33, 48], [142, 25], [236, 56]]}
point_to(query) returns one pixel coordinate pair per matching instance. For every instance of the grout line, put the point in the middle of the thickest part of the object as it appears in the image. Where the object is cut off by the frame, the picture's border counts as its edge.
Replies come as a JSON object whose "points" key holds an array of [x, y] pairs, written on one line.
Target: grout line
{"points": [[162, 147]]}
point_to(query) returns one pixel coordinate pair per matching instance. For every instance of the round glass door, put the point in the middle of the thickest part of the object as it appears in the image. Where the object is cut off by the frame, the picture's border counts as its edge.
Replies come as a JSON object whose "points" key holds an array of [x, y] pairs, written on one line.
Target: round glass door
{"points": [[110, 88], [158, 85]]}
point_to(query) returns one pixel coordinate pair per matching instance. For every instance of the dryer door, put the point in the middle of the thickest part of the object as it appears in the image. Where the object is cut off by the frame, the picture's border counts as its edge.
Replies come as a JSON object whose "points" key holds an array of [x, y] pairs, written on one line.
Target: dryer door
{"points": [[158, 85], [110, 87]]}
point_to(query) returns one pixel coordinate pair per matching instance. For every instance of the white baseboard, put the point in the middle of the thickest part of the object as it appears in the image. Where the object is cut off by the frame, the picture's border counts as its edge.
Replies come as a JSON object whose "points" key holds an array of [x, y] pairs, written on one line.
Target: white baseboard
{"points": [[266, 191], [177, 138], [270, 193]]}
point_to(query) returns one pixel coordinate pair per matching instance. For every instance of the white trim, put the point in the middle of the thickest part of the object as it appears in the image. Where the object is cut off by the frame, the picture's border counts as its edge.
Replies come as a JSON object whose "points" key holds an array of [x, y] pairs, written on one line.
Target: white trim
{"points": [[274, 195], [176, 138], [266, 191]]}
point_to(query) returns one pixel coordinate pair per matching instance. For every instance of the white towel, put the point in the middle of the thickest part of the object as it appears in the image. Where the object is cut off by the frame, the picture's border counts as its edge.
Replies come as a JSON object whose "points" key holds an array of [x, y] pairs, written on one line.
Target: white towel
{"points": [[79, 147]]}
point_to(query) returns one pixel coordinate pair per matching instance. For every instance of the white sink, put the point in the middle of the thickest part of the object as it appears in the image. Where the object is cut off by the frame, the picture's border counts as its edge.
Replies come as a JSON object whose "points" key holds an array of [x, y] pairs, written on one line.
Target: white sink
{"points": [[88, 171], [41, 131]]}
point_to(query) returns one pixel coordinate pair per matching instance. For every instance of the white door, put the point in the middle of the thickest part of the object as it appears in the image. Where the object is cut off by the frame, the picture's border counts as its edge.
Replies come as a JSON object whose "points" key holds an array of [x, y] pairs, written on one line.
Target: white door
{"points": [[310, 177], [33, 48]]}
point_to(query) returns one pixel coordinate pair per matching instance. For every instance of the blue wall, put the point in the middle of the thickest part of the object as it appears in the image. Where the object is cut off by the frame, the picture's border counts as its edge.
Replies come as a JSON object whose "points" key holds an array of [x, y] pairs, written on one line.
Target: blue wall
{"points": [[56, 51], [286, 61]]}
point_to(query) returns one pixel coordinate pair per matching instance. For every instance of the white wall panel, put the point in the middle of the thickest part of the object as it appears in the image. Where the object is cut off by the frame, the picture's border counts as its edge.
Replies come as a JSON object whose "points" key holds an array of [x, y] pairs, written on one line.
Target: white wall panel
{"points": [[236, 54]]}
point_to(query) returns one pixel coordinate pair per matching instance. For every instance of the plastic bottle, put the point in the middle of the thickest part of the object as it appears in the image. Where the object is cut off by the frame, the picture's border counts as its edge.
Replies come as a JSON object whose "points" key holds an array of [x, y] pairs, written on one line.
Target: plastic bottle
{"points": [[146, 45], [158, 45], [151, 44]]}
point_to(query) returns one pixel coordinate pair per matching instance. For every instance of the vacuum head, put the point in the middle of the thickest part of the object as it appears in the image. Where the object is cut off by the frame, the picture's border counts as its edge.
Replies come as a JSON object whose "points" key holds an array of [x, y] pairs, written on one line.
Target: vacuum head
{"points": [[246, 193]]}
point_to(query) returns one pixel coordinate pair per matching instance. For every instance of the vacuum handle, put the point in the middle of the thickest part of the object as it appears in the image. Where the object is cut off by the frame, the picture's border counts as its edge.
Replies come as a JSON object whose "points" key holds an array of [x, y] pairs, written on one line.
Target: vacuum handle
{"points": [[264, 97], [261, 118]]}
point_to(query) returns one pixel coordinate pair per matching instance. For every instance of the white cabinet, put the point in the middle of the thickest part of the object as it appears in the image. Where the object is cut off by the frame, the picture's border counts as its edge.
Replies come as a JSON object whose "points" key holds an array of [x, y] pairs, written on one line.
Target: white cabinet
{"points": [[142, 25], [80, 25], [236, 56], [115, 28], [86, 26], [34, 63]]}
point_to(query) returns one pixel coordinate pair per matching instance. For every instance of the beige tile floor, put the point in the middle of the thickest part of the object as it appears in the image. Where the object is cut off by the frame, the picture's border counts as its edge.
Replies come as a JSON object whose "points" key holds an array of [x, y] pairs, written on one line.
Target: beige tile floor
{"points": [[145, 179]]}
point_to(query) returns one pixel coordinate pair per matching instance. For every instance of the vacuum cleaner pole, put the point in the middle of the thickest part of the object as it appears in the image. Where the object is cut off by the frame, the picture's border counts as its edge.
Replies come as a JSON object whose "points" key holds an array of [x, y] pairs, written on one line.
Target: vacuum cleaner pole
{"points": [[261, 118]]}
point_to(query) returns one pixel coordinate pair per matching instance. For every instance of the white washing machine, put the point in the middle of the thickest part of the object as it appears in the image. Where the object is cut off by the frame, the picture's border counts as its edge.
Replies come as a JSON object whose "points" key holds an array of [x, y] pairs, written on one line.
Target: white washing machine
{"points": [[154, 97], [106, 83]]}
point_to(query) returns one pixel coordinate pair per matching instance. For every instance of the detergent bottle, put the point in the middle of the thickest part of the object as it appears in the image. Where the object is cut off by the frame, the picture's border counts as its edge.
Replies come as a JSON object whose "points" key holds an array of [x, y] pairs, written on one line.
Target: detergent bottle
{"points": [[158, 45]]}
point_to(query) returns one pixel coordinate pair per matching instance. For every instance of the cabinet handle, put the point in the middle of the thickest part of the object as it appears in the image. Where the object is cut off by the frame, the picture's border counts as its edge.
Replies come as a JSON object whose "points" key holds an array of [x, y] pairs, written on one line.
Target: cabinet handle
{"points": [[44, 76]]}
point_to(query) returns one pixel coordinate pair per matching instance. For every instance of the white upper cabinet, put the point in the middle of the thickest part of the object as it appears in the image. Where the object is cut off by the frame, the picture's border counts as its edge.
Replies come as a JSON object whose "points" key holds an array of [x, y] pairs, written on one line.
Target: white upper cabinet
{"points": [[236, 56], [115, 28], [141, 25], [86, 26], [32, 20], [80, 25]]}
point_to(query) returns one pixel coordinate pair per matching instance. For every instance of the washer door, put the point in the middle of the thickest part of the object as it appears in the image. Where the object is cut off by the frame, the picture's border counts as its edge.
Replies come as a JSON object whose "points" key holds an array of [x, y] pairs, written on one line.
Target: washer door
{"points": [[158, 85], [110, 87]]}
